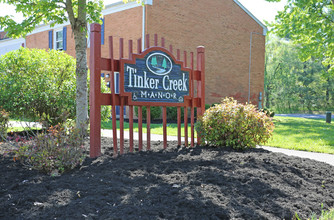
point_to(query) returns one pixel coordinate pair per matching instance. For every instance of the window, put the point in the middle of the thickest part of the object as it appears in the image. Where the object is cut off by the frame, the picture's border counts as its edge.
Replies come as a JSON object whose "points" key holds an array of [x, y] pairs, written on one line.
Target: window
{"points": [[59, 40]]}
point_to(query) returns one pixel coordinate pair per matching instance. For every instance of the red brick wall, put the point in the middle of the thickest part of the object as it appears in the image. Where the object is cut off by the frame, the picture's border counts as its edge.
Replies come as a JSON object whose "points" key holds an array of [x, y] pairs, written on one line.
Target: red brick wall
{"points": [[39, 40], [224, 29], [125, 24], [219, 25]]}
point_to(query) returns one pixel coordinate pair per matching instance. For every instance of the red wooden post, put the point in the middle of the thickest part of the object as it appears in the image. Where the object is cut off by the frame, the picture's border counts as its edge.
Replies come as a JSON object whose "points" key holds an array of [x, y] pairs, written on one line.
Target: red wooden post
{"points": [[95, 90], [147, 41], [139, 49], [162, 42], [140, 128], [113, 97], [192, 120], [185, 108], [131, 127], [130, 107], [200, 85], [121, 112], [155, 40], [148, 128], [186, 126], [164, 125]]}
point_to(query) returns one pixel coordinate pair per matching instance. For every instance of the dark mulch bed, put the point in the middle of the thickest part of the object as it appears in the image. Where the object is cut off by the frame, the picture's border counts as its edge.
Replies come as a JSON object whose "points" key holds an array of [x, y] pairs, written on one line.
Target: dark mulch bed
{"points": [[178, 183]]}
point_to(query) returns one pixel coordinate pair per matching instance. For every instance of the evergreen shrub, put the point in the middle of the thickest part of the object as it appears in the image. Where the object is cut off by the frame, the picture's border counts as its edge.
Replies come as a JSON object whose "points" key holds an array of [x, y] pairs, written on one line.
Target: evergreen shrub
{"points": [[172, 113], [155, 112], [235, 125]]}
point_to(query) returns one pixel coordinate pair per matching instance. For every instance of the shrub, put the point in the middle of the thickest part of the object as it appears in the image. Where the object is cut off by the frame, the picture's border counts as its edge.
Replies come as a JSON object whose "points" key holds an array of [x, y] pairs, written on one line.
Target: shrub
{"points": [[58, 150], [34, 82], [172, 113], [105, 109], [155, 112], [4, 119], [268, 112], [236, 125]]}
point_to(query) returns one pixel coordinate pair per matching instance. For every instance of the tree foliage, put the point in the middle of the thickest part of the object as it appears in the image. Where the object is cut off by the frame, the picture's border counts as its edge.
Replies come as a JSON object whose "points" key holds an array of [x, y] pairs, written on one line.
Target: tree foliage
{"points": [[49, 12], [293, 85], [78, 13], [310, 25]]}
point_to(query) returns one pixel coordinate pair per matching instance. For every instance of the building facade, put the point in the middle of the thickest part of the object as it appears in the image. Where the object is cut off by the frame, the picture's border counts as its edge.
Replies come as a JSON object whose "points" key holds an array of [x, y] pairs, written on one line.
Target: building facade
{"points": [[233, 38]]}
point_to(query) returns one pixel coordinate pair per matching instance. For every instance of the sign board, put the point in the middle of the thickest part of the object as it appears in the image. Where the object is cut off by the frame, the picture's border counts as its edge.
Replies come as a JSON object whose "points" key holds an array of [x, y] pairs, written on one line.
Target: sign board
{"points": [[155, 76]]}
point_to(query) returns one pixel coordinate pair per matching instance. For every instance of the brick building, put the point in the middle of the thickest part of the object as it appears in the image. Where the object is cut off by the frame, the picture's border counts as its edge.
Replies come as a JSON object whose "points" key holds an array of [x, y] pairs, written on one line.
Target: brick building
{"points": [[234, 39]]}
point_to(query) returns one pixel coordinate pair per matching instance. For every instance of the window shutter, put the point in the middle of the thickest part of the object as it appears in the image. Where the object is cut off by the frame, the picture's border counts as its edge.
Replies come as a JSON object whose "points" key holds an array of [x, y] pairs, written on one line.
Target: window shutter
{"points": [[102, 31], [64, 38], [50, 40]]}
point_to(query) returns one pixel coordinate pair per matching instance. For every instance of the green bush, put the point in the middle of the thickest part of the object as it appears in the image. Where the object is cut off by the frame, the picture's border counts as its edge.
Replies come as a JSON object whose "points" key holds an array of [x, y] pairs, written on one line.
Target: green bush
{"points": [[155, 112], [36, 83], [105, 109], [172, 113], [268, 112], [236, 125], [4, 119], [59, 150]]}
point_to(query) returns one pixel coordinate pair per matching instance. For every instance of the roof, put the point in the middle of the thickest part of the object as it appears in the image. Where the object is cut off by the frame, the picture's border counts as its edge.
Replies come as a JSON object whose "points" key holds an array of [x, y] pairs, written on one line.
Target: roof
{"points": [[252, 16]]}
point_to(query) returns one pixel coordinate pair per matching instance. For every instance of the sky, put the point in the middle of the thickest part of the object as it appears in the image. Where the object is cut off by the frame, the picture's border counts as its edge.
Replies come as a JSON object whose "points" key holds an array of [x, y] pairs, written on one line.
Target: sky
{"points": [[259, 8]]}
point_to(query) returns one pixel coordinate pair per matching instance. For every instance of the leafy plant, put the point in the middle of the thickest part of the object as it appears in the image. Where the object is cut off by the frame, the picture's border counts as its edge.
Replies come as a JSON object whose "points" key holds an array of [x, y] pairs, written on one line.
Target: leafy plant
{"points": [[234, 124], [34, 82], [268, 112], [59, 150], [155, 112], [172, 113], [4, 119]]}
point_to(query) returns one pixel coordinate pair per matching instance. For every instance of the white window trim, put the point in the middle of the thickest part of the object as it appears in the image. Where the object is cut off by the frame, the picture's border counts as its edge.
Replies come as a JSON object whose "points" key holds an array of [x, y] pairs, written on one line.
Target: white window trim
{"points": [[55, 37], [88, 35]]}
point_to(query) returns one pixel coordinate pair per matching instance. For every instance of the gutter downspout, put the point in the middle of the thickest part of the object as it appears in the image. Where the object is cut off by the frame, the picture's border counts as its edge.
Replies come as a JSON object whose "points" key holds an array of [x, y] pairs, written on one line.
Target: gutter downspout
{"points": [[143, 28]]}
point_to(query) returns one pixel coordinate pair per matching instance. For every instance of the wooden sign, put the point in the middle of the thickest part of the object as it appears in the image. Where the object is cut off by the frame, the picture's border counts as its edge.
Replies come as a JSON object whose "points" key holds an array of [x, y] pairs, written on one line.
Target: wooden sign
{"points": [[154, 76]]}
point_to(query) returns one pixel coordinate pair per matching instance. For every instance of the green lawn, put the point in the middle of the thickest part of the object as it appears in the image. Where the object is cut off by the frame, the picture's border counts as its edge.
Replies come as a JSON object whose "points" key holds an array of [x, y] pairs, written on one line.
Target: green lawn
{"points": [[155, 128], [292, 133], [303, 134]]}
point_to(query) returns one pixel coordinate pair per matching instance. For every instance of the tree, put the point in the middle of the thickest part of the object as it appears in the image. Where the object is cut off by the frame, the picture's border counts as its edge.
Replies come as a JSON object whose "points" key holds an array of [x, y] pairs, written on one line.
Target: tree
{"points": [[52, 12], [310, 25], [292, 85]]}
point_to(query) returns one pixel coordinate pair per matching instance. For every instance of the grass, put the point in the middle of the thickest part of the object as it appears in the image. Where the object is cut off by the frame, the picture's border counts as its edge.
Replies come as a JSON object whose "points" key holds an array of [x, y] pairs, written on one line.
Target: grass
{"points": [[291, 133], [303, 134], [325, 215], [155, 128]]}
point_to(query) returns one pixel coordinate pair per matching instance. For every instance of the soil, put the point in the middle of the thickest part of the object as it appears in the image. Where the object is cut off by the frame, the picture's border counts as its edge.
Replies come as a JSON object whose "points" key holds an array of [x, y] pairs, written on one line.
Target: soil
{"points": [[176, 183]]}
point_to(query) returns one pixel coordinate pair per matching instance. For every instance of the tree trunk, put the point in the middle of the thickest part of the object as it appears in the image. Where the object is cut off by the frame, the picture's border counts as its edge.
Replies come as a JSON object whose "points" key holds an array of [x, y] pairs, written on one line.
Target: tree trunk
{"points": [[81, 81], [78, 25]]}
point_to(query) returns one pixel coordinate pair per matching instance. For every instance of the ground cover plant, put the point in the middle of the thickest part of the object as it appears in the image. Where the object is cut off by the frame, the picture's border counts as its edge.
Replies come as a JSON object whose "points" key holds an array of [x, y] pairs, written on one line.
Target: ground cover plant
{"points": [[179, 182], [52, 152]]}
